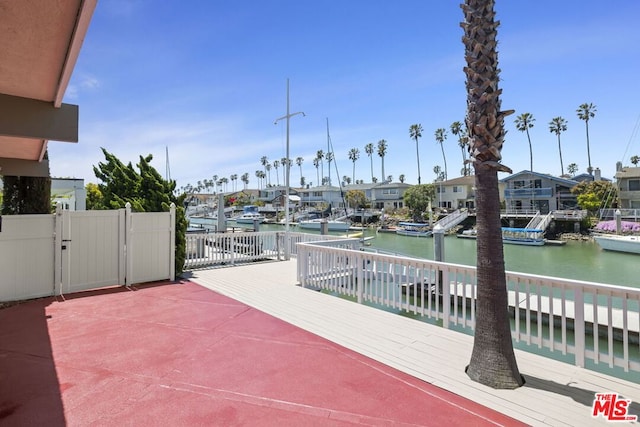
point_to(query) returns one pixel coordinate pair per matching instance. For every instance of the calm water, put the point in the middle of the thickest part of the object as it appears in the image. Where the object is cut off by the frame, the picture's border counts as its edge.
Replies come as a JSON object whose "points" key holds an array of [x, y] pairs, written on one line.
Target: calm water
{"points": [[576, 260]]}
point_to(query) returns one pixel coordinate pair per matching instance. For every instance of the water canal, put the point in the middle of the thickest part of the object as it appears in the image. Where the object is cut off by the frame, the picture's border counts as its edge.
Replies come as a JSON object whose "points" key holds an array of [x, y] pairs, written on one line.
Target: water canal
{"points": [[577, 260]]}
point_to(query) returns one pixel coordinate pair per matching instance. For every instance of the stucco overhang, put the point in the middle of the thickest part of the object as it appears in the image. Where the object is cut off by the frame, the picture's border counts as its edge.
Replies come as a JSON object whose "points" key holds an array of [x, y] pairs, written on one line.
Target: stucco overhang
{"points": [[41, 40]]}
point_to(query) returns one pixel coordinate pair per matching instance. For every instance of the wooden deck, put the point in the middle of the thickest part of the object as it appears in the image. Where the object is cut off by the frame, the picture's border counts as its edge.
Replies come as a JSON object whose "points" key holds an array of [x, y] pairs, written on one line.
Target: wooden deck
{"points": [[555, 393]]}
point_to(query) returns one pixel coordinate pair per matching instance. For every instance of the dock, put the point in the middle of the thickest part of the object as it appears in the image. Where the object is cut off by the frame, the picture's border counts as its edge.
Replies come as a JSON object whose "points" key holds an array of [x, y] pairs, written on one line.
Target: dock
{"points": [[555, 393]]}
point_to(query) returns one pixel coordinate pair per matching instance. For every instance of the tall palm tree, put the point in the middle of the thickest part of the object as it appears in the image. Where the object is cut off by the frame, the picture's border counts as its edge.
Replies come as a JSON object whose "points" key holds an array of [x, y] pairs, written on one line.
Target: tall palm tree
{"points": [[635, 160], [259, 176], [234, 179], [558, 125], [316, 163], [493, 361], [354, 154], [415, 132], [572, 168], [276, 165], [524, 122], [457, 129], [245, 179], [267, 167], [329, 158], [320, 156], [382, 151], [441, 135], [264, 161], [401, 178], [299, 161], [585, 112], [369, 150]]}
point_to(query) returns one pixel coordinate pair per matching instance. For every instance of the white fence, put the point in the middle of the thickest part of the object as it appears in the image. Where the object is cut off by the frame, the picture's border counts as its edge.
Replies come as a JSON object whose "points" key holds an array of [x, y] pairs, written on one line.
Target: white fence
{"points": [[69, 251], [211, 249], [592, 322]]}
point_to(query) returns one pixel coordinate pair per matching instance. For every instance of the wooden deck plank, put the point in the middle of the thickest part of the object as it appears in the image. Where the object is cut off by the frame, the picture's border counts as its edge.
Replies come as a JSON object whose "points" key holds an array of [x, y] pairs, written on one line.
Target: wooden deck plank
{"points": [[556, 393]]}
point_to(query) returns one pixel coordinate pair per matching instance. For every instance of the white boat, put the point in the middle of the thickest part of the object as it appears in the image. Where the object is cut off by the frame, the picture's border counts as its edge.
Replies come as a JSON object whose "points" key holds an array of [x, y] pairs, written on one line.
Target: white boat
{"points": [[250, 218], [523, 236], [250, 215], [316, 224], [414, 229], [471, 233], [619, 243]]}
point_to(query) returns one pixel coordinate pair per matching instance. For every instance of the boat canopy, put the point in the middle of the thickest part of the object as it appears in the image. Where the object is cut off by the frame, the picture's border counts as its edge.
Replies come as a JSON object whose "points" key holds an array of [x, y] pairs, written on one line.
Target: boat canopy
{"points": [[522, 230]]}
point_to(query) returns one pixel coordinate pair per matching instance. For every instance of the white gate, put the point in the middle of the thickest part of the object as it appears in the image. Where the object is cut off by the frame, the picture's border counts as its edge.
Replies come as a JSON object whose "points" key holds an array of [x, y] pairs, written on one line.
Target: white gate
{"points": [[43, 255], [92, 254]]}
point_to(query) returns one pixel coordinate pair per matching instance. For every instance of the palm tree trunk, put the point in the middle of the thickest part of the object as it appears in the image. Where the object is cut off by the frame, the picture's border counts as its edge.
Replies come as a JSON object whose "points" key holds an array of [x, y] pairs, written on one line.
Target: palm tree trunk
{"points": [[493, 361], [530, 151], [445, 161], [560, 153], [418, 158], [589, 168]]}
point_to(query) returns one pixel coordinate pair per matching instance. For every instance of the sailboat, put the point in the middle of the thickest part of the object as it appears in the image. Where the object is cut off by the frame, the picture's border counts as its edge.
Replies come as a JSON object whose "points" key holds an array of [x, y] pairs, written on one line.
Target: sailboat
{"points": [[332, 224]]}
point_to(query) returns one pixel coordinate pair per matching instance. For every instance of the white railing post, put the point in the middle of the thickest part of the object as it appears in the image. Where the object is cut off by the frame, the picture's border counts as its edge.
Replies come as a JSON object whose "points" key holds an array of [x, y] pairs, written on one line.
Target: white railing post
{"points": [[359, 277], [57, 255], [443, 276], [128, 244], [172, 242], [579, 326]]}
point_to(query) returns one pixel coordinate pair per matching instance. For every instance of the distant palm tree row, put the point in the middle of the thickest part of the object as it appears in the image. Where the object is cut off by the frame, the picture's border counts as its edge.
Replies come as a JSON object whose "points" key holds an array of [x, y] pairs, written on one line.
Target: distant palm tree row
{"points": [[557, 125], [523, 123]]}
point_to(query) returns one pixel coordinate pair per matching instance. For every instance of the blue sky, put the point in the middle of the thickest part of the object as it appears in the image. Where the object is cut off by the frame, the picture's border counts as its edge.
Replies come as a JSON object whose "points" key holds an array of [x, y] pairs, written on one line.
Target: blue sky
{"points": [[207, 79]]}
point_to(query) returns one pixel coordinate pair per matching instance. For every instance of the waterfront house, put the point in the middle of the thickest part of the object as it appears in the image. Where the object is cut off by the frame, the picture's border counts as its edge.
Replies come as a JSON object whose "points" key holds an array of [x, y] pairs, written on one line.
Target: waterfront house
{"points": [[628, 182], [388, 195], [533, 191]]}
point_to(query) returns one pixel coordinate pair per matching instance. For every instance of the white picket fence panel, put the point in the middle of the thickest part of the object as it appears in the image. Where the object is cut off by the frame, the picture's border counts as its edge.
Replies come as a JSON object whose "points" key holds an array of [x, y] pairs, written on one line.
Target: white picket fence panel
{"points": [[44, 255]]}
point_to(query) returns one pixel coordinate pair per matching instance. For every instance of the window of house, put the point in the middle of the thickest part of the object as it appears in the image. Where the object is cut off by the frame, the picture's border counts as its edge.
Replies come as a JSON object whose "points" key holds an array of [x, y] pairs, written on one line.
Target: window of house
{"points": [[390, 191], [537, 183], [634, 185], [518, 184], [456, 189]]}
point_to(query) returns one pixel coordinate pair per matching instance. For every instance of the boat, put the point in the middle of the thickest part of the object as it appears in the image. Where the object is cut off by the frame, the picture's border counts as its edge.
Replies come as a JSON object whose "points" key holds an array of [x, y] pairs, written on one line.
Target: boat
{"points": [[387, 229], [415, 229], [316, 224], [523, 236], [250, 215], [619, 243], [471, 233]]}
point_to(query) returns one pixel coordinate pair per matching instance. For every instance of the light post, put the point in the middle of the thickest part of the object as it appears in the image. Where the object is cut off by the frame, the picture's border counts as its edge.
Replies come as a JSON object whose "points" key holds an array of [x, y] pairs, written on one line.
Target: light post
{"points": [[288, 169]]}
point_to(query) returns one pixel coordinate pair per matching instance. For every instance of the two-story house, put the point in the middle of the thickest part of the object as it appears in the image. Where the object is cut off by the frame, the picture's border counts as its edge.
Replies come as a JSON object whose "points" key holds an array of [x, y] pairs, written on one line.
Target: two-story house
{"points": [[457, 193], [628, 181], [533, 191], [386, 196]]}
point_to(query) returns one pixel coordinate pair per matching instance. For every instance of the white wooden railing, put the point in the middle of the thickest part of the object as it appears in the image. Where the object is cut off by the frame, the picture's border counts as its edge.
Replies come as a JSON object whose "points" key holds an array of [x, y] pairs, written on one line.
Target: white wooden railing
{"points": [[211, 249], [592, 322]]}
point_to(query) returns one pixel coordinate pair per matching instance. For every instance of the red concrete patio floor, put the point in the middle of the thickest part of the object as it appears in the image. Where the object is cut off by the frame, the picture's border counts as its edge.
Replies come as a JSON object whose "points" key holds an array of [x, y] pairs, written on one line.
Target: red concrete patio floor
{"points": [[182, 355]]}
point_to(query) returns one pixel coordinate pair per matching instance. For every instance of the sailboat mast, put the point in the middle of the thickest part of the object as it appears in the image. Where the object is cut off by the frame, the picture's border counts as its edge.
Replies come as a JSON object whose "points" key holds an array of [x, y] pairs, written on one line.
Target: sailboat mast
{"points": [[287, 175], [329, 151]]}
